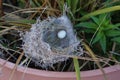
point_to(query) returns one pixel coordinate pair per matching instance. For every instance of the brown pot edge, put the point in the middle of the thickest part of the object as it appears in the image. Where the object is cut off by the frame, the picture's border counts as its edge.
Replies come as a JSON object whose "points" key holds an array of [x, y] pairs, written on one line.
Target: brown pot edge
{"points": [[44, 73]]}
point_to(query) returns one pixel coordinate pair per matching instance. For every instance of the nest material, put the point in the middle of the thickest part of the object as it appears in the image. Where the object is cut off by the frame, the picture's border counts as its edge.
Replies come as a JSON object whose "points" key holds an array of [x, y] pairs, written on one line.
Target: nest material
{"points": [[44, 47]]}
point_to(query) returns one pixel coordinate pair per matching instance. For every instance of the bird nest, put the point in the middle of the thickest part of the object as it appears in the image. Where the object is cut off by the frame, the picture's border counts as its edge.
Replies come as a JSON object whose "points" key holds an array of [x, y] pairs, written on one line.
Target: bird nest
{"points": [[50, 41]]}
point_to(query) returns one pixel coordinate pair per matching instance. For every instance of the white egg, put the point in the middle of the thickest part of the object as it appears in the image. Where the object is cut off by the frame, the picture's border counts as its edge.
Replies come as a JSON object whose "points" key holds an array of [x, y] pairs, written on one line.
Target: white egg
{"points": [[61, 34]]}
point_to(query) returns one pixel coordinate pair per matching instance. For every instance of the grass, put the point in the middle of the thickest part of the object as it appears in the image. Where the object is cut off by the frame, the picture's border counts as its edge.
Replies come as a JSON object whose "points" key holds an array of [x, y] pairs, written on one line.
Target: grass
{"points": [[77, 69], [79, 12], [97, 12]]}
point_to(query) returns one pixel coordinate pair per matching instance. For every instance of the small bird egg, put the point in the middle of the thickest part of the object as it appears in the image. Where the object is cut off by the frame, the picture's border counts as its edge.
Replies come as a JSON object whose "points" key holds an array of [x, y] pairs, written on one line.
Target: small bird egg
{"points": [[61, 34]]}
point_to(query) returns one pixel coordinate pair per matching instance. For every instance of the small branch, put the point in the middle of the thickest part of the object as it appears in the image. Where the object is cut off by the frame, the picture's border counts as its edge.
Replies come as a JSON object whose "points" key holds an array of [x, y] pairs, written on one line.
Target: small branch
{"points": [[114, 46]]}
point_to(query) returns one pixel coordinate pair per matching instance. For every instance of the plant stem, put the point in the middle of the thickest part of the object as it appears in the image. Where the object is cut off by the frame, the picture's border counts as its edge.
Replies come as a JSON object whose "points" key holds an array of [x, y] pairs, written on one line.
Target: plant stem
{"points": [[94, 58], [77, 69], [17, 62], [101, 11]]}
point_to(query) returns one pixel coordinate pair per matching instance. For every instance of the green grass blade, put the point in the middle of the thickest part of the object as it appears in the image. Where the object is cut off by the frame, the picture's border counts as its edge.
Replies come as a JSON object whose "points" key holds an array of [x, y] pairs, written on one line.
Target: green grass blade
{"points": [[116, 39], [74, 5], [77, 69], [105, 10], [69, 3], [96, 20], [112, 33], [88, 25], [103, 43], [97, 37], [117, 25]]}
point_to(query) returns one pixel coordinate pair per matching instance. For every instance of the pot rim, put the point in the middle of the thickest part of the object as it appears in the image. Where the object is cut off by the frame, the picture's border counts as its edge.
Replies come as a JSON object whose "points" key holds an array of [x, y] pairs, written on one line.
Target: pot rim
{"points": [[44, 73]]}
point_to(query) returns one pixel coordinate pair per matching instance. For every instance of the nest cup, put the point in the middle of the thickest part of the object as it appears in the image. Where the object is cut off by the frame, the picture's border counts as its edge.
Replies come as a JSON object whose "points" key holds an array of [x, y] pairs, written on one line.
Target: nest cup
{"points": [[50, 41]]}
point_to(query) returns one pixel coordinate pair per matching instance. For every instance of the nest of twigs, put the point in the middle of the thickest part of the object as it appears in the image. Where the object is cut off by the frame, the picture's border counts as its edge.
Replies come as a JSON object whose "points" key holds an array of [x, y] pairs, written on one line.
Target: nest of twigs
{"points": [[43, 45]]}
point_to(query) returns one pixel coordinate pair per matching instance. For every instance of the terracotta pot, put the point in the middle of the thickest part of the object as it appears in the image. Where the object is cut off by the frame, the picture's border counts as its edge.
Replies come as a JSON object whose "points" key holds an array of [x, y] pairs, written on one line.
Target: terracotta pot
{"points": [[112, 73]]}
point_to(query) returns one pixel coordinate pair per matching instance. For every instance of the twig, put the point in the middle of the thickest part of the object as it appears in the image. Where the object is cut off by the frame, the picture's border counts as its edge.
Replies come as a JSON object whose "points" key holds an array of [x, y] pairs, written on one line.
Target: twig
{"points": [[83, 65], [1, 8], [23, 75], [114, 46], [38, 10], [94, 58], [5, 30], [29, 9], [15, 67], [11, 6], [2, 66], [24, 61]]}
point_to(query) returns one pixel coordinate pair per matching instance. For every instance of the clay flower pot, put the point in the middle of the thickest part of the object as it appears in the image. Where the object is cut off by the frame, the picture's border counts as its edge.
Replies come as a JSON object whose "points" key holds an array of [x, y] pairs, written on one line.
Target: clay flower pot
{"points": [[112, 73]]}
